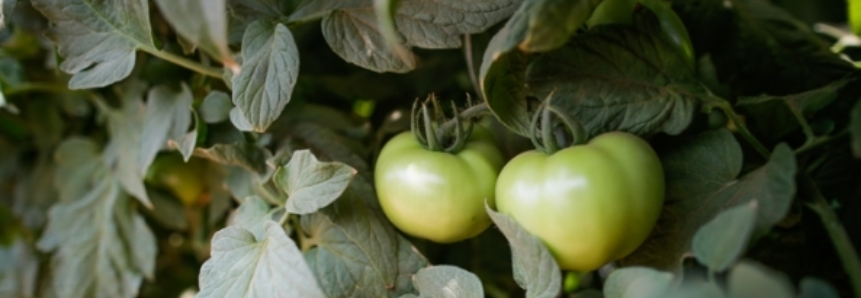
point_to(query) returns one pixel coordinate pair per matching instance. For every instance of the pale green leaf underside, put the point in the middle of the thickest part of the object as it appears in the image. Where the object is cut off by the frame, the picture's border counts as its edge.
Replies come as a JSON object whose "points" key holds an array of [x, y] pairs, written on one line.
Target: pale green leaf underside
{"points": [[352, 31], [124, 127], [637, 282], [18, 271], [97, 38], [167, 117], [270, 67], [311, 184], [535, 269], [751, 280], [102, 247], [719, 243], [207, 29], [446, 281], [243, 266], [216, 107]]}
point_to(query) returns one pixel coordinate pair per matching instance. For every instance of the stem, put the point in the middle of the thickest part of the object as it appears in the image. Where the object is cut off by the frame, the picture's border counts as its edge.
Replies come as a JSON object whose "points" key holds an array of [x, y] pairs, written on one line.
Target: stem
{"points": [[470, 65], [430, 134], [182, 61], [36, 87], [820, 141], [835, 230], [742, 128], [549, 141], [475, 111]]}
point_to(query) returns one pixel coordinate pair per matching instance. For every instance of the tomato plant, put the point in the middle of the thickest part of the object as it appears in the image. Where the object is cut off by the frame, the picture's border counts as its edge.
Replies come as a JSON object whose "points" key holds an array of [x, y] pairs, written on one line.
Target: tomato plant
{"points": [[724, 156], [591, 204]]}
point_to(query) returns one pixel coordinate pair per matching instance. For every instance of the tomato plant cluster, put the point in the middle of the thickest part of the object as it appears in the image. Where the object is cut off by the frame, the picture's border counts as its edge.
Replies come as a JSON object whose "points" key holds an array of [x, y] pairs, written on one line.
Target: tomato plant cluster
{"points": [[590, 204]]}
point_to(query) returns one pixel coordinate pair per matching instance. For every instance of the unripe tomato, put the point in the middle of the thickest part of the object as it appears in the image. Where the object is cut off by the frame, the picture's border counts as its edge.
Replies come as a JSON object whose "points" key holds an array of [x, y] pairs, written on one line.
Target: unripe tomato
{"points": [[436, 195], [183, 180], [590, 204]]}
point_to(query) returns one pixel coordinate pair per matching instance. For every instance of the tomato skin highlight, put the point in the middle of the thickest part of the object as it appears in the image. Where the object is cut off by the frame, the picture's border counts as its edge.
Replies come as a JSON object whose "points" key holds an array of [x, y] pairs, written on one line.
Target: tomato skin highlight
{"points": [[590, 204], [438, 196]]}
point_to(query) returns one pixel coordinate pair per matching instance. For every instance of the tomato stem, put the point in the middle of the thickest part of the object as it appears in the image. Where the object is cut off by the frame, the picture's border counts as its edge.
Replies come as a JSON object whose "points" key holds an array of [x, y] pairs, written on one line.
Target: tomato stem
{"points": [[835, 230], [430, 133], [742, 128], [550, 145]]}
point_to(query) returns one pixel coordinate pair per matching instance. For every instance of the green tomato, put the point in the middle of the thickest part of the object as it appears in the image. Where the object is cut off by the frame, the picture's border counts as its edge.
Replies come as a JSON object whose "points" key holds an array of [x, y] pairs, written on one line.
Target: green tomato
{"points": [[436, 195], [590, 204], [184, 180]]}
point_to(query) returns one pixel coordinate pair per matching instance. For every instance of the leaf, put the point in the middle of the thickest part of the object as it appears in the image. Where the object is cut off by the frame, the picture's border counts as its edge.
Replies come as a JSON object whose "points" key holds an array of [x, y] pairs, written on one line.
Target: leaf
{"points": [[18, 270], [7, 7], [777, 116], [101, 247], [855, 129], [245, 266], [207, 30], [639, 282], [98, 38], [310, 184], [701, 181], [544, 25], [721, 242], [239, 121], [35, 191], [750, 280], [761, 40], [167, 117], [216, 107], [816, 288], [502, 78], [352, 31], [270, 67], [855, 16], [275, 8], [246, 155], [447, 281], [166, 210], [252, 215], [357, 253], [619, 78], [123, 151], [535, 269]]}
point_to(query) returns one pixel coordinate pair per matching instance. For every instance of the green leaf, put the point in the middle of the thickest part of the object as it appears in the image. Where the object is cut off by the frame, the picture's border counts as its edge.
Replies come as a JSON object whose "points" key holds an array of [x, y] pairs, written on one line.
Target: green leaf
{"points": [[502, 78], [101, 246], [207, 30], [816, 288], [763, 41], [855, 16], [639, 282], [535, 269], [243, 265], [352, 31], [310, 184], [239, 121], [777, 116], [275, 8], [356, 252], [721, 242], [19, 269], [270, 67], [855, 129], [167, 117], [98, 38], [619, 78], [701, 182], [751, 280], [246, 155], [544, 25], [216, 107], [123, 151], [447, 281], [697, 288], [7, 7]]}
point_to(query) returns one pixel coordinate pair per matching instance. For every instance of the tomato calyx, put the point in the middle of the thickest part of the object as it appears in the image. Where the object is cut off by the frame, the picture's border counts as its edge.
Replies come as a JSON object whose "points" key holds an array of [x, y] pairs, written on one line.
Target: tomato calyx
{"points": [[553, 129], [436, 133]]}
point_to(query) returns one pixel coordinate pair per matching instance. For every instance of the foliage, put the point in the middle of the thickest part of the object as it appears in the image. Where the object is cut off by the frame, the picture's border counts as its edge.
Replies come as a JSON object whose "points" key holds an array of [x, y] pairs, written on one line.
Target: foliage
{"points": [[277, 111]]}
